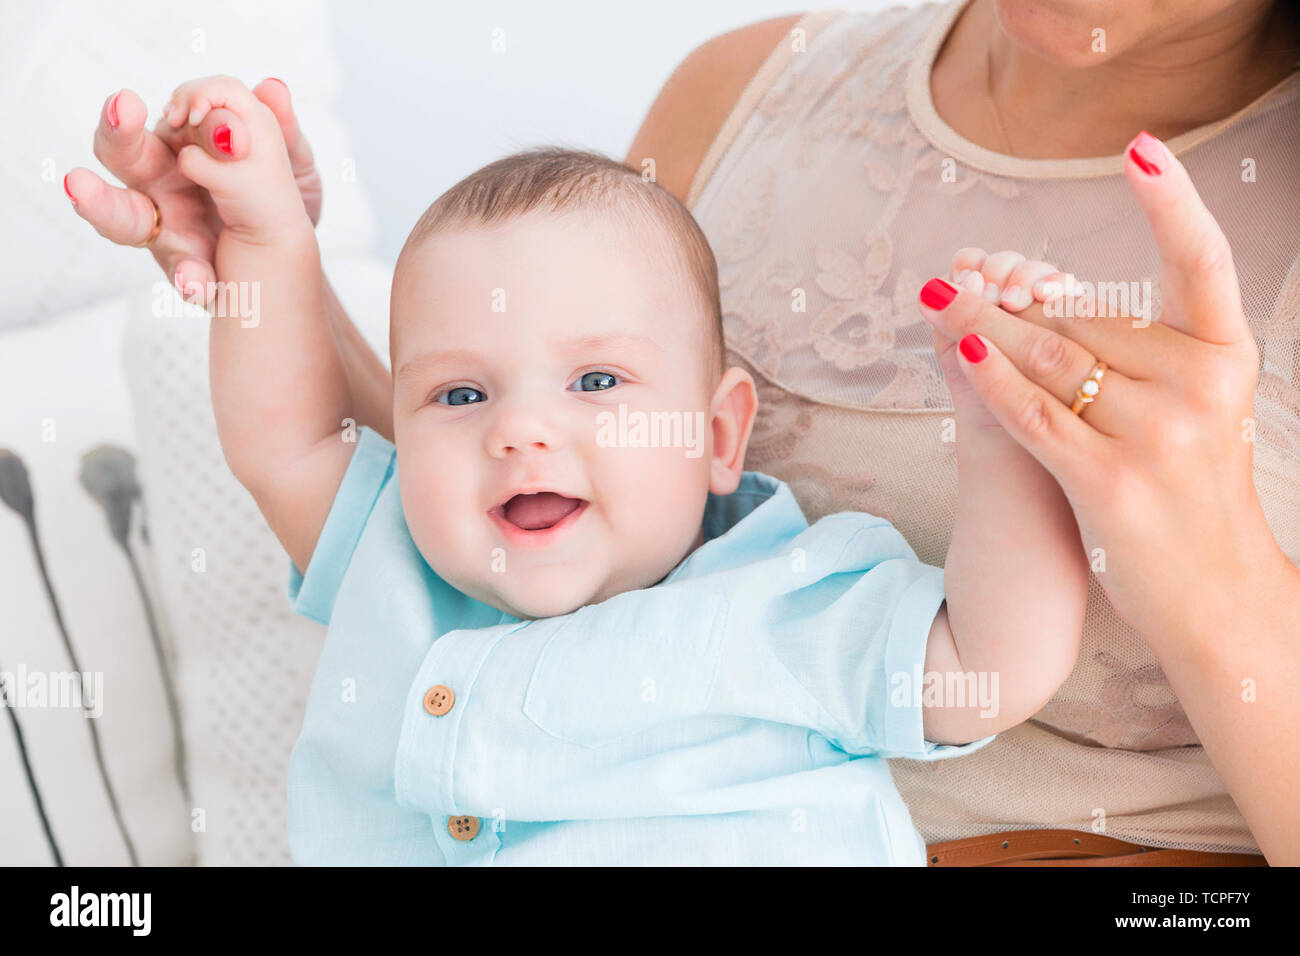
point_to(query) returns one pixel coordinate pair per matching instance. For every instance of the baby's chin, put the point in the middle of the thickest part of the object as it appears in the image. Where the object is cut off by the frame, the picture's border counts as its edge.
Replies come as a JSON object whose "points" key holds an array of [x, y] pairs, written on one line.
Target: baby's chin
{"points": [[529, 603], [554, 594], [531, 594]]}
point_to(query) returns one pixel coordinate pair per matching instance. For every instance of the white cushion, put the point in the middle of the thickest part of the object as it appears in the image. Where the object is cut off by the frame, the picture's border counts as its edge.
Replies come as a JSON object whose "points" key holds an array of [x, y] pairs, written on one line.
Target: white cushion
{"points": [[61, 397], [246, 660], [242, 662], [62, 62]]}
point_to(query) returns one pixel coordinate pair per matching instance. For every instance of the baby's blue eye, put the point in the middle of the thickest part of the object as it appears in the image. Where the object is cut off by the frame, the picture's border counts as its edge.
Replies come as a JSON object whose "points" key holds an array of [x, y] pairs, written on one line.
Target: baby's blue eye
{"points": [[462, 395], [596, 382]]}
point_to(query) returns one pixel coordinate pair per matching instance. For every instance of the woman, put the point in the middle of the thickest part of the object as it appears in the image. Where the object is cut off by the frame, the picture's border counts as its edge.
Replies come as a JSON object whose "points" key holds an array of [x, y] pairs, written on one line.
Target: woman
{"points": [[836, 160]]}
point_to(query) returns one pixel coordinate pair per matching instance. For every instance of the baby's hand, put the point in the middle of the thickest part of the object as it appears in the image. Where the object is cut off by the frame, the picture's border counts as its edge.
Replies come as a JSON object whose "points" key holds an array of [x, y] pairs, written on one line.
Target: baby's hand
{"points": [[254, 189], [1008, 278], [1014, 283]]}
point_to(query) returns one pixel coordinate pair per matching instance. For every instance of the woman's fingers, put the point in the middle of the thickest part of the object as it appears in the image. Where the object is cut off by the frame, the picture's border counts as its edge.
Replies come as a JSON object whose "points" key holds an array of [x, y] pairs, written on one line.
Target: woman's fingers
{"points": [[128, 150], [1054, 362], [1198, 282], [275, 94], [194, 280], [1137, 353], [124, 216], [221, 134], [1063, 443], [147, 166]]}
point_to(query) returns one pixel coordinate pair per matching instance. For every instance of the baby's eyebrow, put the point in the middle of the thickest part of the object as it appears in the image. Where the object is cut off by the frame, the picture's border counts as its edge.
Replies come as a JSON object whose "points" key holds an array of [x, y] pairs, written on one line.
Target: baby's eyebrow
{"points": [[611, 340], [425, 361]]}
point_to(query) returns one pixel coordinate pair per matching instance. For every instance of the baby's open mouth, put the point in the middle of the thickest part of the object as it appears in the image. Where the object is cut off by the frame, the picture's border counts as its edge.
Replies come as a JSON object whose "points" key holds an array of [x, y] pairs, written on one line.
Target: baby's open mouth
{"points": [[538, 511]]}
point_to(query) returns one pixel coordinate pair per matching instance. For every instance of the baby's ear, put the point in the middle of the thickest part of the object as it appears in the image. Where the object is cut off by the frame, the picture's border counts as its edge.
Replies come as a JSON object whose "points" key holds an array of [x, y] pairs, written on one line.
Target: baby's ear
{"points": [[734, 404]]}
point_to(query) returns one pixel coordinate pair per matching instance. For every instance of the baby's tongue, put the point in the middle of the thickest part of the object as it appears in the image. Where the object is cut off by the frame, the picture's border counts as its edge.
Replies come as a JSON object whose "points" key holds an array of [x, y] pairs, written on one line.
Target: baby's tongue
{"points": [[532, 512]]}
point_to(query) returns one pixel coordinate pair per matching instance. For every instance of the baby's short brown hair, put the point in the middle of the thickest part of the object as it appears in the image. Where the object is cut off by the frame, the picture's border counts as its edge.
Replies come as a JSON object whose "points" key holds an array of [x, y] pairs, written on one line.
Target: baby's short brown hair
{"points": [[556, 179]]}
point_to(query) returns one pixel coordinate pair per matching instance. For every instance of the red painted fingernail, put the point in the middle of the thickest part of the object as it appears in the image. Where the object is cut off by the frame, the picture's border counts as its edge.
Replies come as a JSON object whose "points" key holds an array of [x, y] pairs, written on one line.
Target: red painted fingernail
{"points": [[1144, 151], [112, 112], [973, 347], [67, 190], [221, 139], [180, 283], [937, 294], [276, 79]]}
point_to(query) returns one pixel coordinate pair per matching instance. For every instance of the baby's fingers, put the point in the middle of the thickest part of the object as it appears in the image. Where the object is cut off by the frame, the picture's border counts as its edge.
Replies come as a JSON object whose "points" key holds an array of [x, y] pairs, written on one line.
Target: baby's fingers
{"points": [[221, 134], [964, 261], [239, 189], [1018, 290], [1056, 284], [192, 101], [203, 169]]}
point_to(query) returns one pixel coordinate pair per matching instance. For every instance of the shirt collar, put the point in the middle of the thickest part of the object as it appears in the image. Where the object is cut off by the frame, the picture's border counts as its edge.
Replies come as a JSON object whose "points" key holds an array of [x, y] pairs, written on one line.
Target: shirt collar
{"points": [[759, 514], [762, 511]]}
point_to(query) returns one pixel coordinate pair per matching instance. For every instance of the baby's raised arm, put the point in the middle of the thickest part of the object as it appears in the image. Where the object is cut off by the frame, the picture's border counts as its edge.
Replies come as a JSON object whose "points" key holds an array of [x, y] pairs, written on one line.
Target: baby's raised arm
{"points": [[279, 390], [1016, 576]]}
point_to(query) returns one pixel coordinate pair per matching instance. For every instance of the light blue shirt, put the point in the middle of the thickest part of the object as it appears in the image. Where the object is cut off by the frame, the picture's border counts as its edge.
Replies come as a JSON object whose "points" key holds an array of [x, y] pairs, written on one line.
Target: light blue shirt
{"points": [[738, 712]]}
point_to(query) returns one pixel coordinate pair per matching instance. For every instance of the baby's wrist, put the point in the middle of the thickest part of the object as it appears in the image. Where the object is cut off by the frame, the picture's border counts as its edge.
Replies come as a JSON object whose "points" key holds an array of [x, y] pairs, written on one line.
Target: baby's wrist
{"points": [[288, 251], [982, 434], [291, 229], [988, 455]]}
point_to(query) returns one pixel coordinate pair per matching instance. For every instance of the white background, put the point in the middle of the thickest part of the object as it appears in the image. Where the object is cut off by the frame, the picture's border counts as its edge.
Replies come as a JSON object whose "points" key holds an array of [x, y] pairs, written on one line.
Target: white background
{"points": [[427, 101]]}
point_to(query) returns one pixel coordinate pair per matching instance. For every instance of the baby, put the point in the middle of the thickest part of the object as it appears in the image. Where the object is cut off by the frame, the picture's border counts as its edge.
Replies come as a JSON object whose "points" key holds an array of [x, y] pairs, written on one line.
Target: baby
{"points": [[565, 625]]}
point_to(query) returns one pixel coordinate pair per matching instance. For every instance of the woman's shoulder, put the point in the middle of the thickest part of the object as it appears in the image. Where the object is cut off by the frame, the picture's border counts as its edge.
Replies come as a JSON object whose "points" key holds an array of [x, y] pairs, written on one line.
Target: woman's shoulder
{"points": [[710, 83], [697, 98]]}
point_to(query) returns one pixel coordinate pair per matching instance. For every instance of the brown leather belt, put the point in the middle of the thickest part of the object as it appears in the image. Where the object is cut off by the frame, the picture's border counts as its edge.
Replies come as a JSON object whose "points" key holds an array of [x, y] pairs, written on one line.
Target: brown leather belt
{"points": [[1071, 848]]}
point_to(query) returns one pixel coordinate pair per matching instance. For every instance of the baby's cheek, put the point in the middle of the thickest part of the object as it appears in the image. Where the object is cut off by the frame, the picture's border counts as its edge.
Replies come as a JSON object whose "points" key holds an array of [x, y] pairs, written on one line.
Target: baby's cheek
{"points": [[666, 506], [436, 521]]}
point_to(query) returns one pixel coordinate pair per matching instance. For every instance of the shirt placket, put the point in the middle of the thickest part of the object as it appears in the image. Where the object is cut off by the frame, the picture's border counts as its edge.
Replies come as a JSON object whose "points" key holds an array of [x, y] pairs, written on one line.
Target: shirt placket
{"points": [[437, 701]]}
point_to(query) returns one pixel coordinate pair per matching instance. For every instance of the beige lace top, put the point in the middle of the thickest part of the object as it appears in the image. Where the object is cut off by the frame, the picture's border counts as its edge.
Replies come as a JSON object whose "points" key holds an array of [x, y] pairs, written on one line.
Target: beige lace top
{"points": [[827, 178]]}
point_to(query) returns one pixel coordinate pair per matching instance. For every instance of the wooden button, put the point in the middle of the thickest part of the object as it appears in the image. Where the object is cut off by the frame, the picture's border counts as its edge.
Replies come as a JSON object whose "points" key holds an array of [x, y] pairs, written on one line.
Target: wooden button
{"points": [[462, 828], [438, 699]]}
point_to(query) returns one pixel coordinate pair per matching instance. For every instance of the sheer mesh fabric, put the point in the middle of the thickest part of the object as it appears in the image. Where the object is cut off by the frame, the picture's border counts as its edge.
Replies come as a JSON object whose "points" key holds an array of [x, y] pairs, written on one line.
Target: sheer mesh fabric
{"points": [[829, 177]]}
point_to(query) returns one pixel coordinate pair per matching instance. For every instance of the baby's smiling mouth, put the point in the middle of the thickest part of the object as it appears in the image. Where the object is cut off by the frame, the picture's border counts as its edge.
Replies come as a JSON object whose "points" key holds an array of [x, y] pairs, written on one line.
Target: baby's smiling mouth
{"points": [[537, 511]]}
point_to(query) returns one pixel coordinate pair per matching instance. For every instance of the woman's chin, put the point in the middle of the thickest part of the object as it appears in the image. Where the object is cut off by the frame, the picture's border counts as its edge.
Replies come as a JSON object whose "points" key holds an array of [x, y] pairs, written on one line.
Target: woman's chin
{"points": [[1064, 31]]}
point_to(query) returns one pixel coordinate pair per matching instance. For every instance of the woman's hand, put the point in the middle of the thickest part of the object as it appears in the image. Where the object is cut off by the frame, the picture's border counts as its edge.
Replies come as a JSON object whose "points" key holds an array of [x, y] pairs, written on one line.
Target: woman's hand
{"points": [[1010, 280], [1159, 473], [1159, 467], [145, 160]]}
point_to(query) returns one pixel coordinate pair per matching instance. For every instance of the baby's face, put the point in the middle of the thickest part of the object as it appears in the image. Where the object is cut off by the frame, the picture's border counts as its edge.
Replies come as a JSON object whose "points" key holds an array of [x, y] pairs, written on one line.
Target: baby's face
{"points": [[514, 348]]}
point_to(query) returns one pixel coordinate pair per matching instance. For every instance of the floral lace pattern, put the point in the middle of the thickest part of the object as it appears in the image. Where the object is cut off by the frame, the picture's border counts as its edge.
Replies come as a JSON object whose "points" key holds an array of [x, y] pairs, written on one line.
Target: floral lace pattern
{"points": [[829, 211], [1136, 709]]}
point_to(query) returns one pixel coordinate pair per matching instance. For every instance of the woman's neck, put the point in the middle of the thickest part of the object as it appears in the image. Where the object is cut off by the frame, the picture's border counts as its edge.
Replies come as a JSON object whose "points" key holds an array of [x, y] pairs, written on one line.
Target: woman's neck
{"points": [[1168, 83]]}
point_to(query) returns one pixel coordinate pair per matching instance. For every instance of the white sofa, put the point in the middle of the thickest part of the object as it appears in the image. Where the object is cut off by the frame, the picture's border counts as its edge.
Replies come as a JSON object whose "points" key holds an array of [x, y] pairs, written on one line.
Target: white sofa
{"points": [[105, 417]]}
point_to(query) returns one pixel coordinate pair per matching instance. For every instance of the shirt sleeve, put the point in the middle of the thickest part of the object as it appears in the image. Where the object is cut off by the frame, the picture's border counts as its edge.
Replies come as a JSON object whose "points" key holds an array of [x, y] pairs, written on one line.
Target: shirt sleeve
{"points": [[905, 648], [842, 636], [373, 460]]}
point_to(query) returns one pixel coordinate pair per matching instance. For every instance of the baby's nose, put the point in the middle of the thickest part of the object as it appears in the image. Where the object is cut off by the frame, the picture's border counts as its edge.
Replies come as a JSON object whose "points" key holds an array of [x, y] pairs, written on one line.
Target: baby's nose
{"points": [[522, 428], [538, 445]]}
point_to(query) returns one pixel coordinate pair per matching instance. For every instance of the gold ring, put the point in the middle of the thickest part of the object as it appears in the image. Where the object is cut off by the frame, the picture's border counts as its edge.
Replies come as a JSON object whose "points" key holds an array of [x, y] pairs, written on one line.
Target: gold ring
{"points": [[157, 225], [1087, 392]]}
